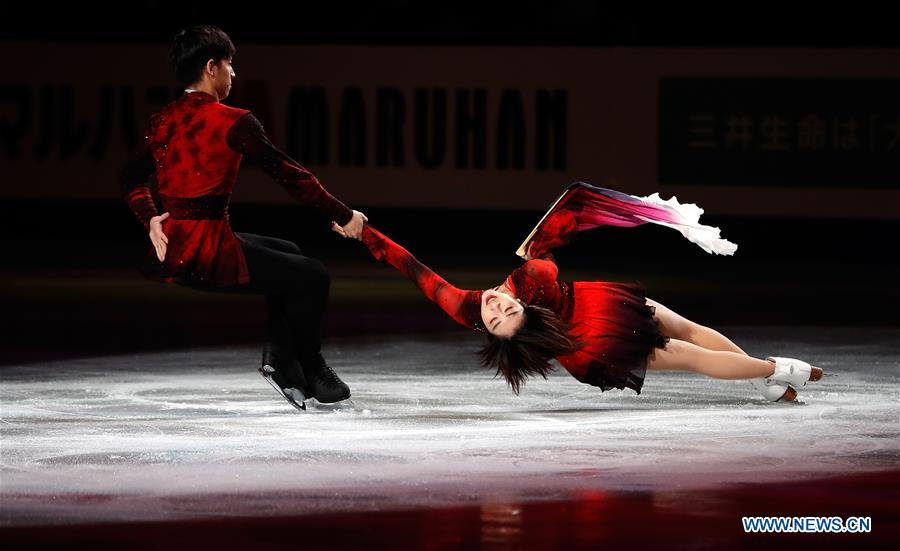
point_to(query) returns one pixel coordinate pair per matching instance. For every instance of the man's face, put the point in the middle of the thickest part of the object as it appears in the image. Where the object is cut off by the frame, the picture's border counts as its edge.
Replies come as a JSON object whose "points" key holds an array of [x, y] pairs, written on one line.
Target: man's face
{"points": [[223, 75]]}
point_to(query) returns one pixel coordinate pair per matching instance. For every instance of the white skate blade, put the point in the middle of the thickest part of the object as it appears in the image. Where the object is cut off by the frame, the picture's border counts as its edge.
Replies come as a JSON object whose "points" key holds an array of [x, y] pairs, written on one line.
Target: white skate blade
{"points": [[343, 405], [294, 397]]}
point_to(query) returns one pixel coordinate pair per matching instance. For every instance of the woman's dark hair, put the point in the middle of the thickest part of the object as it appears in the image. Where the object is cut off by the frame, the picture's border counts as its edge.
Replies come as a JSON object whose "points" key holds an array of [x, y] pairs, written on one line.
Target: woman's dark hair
{"points": [[193, 47], [542, 337]]}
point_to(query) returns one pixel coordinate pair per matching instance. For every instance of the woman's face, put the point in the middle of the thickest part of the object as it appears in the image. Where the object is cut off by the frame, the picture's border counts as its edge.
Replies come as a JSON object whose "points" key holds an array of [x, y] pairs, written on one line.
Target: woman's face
{"points": [[502, 315]]}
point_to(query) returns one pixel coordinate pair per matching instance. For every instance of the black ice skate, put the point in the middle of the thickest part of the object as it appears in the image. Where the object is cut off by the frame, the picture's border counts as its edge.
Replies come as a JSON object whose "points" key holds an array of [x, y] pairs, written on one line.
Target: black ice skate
{"points": [[326, 389], [285, 375]]}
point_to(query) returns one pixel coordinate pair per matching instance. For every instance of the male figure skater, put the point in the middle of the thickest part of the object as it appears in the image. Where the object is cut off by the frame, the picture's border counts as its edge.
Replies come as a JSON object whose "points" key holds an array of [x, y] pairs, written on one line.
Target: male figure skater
{"points": [[187, 165]]}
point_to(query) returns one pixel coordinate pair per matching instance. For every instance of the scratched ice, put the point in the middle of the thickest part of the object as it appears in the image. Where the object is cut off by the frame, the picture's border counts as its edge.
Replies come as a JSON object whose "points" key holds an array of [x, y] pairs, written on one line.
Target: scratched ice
{"points": [[198, 433]]}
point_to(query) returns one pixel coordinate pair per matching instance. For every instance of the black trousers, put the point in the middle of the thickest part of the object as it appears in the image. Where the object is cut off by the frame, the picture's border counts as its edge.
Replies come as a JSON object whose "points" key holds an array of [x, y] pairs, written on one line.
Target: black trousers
{"points": [[296, 288]]}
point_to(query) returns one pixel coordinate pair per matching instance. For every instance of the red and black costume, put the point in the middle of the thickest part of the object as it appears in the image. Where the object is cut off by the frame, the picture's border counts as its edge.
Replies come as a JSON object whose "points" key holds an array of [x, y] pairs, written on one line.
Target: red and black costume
{"points": [[612, 320], [187, 166], [191, 155]]}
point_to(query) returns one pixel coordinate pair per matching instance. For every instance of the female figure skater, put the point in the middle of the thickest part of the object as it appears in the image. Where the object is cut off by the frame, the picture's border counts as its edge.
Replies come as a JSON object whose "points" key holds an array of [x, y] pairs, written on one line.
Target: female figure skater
{"points": [[604, 334]]}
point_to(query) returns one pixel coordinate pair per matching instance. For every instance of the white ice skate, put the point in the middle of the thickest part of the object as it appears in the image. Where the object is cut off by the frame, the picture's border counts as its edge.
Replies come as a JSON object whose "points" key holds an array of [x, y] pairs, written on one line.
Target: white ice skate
{"points": [[793, 372], [773, 390]]}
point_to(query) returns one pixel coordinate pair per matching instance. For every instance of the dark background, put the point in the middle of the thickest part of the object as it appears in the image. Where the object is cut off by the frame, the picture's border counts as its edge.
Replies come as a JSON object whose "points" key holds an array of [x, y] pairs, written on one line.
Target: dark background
{"points": [[465, 22], [69, 266]]}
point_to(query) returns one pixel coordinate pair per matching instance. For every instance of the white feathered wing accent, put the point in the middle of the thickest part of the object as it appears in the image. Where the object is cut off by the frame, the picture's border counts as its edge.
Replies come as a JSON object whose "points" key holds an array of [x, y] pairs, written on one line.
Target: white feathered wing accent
{"points": [[707, 237]]}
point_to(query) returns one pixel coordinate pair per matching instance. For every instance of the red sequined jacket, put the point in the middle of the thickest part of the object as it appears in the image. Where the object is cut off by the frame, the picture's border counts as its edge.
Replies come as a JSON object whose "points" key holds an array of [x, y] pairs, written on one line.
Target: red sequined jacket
{"points": [[187, 166]]}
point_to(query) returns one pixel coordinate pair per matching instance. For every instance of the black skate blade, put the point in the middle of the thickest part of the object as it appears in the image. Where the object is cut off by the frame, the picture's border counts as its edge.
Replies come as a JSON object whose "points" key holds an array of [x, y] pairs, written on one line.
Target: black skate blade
{"points": [[343, 405], [288, 394]]}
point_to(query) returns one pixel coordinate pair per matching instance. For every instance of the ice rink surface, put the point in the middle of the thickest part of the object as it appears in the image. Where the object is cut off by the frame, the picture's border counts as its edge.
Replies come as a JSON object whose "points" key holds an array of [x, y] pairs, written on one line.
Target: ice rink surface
{"points": [[195, 434]]}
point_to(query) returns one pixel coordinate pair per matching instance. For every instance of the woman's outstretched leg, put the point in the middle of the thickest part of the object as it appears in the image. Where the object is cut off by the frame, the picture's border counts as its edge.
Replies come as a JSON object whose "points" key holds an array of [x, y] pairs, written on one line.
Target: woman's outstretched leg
{"points": [[679, 355], [681, 328], [699, 349]]}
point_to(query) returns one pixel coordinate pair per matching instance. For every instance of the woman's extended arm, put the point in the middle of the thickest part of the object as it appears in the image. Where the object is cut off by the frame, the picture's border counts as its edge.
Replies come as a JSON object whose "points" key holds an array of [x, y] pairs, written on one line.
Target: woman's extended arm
{"points": [[460, 304]]}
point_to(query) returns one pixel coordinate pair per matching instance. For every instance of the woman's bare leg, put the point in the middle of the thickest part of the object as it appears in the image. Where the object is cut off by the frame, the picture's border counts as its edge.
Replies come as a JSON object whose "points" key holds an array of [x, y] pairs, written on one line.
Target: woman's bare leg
{"points": [[679, 355], [681, 328], [703, 350]]}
